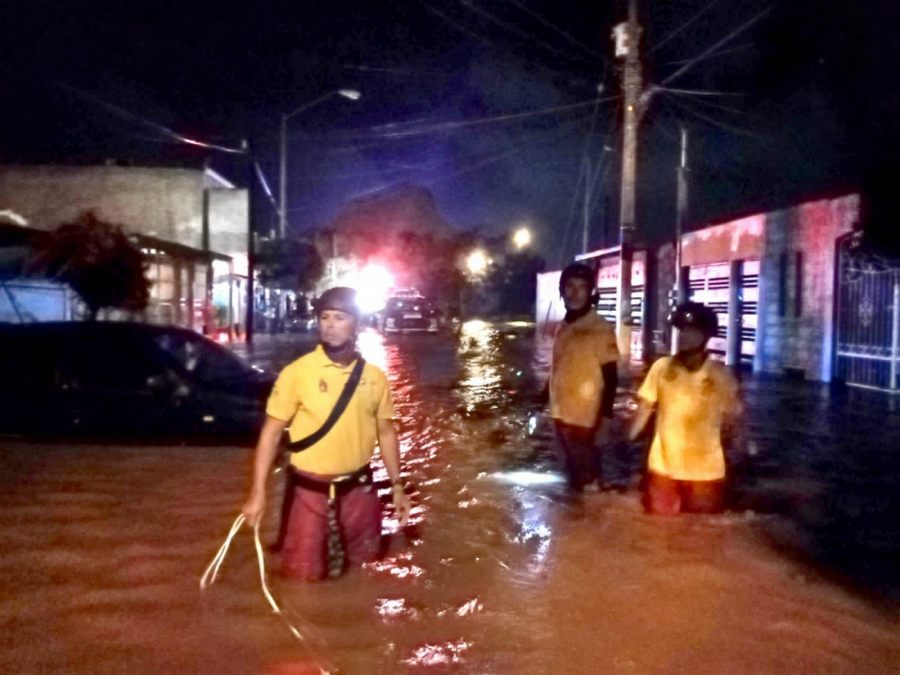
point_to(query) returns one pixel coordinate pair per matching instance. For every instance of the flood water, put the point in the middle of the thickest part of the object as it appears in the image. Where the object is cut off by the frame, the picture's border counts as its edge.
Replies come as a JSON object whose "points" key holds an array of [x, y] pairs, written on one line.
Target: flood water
{"points": [[500, 571]]}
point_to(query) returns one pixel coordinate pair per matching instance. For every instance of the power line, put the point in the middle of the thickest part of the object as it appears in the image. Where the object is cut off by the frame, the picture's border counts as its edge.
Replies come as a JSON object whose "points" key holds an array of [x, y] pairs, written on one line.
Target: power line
{"points": [[517, 31], [725, 40], [717, 54], [718, 123], [699, 92], [684, 25], [558, 30], [450, 125], [461, 29], [122, 112]]}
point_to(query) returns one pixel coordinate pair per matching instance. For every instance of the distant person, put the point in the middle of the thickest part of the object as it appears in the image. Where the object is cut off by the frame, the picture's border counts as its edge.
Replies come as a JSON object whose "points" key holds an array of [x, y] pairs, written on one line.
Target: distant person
{"points": [[694, 398], [583, 378], [331, 514]]}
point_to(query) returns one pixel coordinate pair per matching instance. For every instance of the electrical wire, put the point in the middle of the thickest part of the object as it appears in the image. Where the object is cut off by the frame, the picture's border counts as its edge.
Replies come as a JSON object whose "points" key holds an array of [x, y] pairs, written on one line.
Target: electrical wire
{"points": [[446, 126], [716, 54], [725, 40], [532, 39], [718, 123], [556, 29], [698, 92], [684, 25], [125, 114], [460, 28]]}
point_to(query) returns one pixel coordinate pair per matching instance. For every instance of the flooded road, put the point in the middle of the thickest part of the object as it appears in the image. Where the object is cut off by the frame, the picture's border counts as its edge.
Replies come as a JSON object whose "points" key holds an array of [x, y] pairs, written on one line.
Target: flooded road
{"points": [[499, 571]]}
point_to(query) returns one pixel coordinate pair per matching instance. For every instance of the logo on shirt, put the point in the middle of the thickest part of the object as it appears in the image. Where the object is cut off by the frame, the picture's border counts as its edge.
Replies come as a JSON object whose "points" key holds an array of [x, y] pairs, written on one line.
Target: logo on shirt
{"points": [[323, 386]]}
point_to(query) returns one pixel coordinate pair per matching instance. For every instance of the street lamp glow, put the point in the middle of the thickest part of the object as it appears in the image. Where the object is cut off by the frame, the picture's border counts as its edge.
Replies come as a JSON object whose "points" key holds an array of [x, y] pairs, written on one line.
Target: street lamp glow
{"points": [[477, 262], [522, 237]]}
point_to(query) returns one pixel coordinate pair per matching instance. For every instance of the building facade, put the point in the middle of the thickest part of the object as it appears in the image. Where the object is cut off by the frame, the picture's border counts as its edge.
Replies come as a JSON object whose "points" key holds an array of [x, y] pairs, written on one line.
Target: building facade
{"points": [[772, 278], [190, 223]]}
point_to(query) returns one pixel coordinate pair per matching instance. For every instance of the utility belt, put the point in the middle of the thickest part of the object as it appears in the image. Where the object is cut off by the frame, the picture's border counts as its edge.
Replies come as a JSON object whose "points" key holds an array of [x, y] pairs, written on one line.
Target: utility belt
{"points": [[334, 487]]}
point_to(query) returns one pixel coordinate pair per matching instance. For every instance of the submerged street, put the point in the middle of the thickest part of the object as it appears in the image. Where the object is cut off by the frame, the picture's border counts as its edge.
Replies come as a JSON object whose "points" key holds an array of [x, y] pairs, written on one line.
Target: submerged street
{"points": [[499, 570]]}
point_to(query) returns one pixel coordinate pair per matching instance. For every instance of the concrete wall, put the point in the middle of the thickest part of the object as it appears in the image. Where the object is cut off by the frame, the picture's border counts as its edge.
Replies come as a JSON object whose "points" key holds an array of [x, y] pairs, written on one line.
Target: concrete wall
{"points": [[228, 217], [164, 203], [796, 320]]}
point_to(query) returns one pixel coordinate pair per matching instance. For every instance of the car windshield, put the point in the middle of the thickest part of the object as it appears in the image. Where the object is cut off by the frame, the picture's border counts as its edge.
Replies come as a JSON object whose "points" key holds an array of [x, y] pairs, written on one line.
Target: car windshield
{"points": [[205, 361]]}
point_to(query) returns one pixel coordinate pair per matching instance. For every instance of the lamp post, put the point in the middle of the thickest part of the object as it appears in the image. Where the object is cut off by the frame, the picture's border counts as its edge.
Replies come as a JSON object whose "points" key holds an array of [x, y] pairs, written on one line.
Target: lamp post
{"points": [[350, 94]]}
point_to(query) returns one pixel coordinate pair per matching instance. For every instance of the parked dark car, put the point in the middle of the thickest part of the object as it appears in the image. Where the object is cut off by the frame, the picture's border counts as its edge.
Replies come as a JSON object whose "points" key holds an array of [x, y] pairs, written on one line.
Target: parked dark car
{"points": [[125, 380], [409, 312]]}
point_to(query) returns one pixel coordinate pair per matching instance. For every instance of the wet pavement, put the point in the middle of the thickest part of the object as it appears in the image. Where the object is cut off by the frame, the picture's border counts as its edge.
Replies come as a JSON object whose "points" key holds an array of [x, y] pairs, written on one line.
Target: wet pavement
{"points": [[500, 570]]}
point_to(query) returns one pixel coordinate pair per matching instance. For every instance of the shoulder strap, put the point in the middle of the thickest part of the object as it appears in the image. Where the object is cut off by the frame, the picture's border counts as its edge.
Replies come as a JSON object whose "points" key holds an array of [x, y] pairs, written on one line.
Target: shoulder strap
{"points": [[337, 411]]}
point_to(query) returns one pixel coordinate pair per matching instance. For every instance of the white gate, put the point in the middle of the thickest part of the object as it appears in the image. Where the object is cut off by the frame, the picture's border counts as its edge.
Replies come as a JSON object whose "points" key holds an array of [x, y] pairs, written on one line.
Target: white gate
{"points": [[868, 318]]}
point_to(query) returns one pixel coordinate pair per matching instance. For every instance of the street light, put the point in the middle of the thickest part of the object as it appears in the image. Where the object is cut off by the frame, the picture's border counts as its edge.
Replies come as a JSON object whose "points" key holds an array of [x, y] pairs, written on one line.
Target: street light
{"points": [[349, 94], [522, 238], [477, 262]]}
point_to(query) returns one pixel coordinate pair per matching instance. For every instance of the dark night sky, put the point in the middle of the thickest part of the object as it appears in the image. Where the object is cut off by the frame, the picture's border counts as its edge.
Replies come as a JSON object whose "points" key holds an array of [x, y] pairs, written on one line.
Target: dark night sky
{"points": [[817, 80]]}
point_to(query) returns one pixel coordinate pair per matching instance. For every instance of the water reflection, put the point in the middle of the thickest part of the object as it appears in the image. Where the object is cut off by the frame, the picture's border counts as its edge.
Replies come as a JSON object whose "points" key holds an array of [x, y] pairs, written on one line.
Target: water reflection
{"points": [[481, 373], [439, 654]]}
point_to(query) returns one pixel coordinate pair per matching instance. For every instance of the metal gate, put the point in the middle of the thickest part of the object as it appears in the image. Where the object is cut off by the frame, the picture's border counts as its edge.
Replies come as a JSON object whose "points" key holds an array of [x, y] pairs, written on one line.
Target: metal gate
{"points": [[868, 318]]}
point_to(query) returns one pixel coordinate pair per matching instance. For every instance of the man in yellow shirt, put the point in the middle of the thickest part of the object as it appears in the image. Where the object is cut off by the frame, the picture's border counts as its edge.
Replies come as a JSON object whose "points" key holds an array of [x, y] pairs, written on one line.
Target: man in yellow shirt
{"points": [[694, 398], [332, 514], [583, 377]]}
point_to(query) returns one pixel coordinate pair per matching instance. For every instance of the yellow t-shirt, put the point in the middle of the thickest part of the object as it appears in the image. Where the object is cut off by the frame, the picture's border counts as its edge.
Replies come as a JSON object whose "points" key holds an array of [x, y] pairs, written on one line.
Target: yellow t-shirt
{"points": [[687, 444], [304, 395], [580, 349]]}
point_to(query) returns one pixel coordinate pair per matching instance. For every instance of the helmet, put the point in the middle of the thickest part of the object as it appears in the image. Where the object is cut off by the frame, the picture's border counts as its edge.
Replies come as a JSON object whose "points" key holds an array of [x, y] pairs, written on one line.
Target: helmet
{"points": [[341, 298], [578, 270], [695, 314]]}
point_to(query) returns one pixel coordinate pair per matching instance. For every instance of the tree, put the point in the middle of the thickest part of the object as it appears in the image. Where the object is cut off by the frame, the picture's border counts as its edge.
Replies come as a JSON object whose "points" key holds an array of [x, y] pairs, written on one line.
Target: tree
{"points": [[98, 261], [289, 264]]}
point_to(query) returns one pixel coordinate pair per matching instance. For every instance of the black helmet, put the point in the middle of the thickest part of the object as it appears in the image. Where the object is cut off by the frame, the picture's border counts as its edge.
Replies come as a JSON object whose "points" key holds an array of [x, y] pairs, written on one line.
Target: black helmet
{"points": [[695, 314], [577, 270], [341, 298]]}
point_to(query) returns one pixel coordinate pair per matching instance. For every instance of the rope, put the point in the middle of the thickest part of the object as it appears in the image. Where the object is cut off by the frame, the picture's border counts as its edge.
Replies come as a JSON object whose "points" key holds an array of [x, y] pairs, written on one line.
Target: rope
{"points": [[209, 575]]}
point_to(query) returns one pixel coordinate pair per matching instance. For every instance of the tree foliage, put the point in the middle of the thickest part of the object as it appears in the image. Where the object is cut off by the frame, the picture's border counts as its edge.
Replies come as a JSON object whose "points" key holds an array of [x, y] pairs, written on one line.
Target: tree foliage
{"points": [[289, 264], [98, 261]]}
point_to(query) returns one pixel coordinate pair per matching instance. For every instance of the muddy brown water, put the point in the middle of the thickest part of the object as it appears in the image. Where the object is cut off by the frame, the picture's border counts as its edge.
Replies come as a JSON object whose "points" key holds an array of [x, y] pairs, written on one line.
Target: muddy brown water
{"points": [[499, 572]]}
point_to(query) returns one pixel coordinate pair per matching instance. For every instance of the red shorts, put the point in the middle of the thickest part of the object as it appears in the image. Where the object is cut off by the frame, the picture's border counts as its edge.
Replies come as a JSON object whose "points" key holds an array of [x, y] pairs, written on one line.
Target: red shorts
{"points": [[303, 552], [667, 496]]}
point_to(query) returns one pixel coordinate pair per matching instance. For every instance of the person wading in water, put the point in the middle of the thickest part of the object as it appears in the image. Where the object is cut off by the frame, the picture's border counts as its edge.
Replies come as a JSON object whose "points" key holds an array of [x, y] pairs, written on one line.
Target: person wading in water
{"points": [[336, 407]]}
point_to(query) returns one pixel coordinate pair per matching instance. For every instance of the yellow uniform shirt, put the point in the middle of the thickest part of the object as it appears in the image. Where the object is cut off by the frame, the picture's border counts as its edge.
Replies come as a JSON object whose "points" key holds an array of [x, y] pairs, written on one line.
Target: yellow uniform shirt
{"points": [[305, 394], [687, 444], [580, 349]]}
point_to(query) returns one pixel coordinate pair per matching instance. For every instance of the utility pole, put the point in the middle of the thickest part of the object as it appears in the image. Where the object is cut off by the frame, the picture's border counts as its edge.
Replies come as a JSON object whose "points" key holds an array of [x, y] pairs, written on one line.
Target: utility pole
{"points": [[627, 36], [251, 240], [681, 215], [681, 204], [282, 180], [587, 205]]}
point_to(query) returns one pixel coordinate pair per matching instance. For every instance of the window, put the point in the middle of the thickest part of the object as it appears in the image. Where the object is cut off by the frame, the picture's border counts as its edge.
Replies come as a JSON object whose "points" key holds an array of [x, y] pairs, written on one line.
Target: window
{"points": [[202, 360], [782, 284], [117, 362]]}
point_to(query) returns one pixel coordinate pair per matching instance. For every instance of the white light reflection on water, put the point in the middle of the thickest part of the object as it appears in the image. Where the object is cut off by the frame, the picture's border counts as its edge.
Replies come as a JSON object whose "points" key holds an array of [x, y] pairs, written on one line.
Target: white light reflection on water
{"points": [[371, 346], [394, 609], [399, 566], [481, 375], [527, 478], [439, 654]]}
